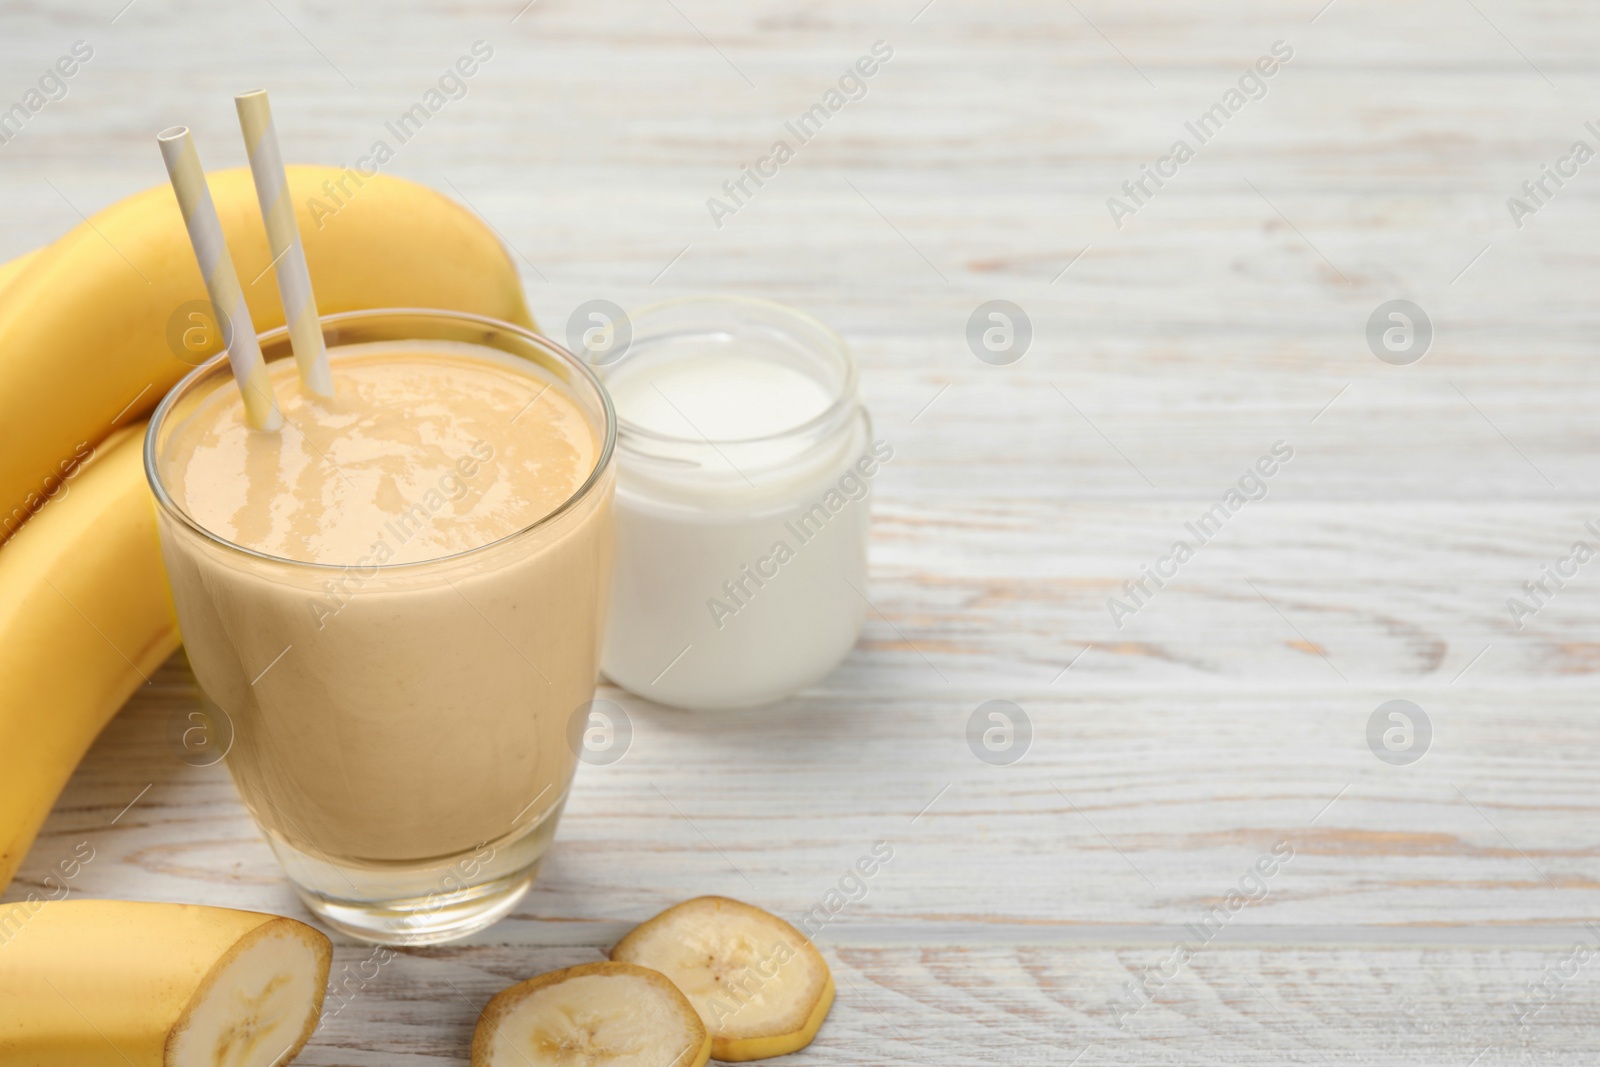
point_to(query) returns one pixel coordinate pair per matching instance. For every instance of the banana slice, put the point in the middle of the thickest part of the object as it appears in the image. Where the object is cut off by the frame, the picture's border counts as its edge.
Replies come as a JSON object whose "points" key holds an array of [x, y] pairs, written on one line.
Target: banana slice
{"points": [[759, 984], [596, 1015]]}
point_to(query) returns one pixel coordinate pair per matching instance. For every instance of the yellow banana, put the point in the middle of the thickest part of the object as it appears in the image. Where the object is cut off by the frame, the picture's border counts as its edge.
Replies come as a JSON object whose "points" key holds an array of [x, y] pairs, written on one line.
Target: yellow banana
{"points": [[85, 616], [95, 328], [108, 983], [8, 271]]}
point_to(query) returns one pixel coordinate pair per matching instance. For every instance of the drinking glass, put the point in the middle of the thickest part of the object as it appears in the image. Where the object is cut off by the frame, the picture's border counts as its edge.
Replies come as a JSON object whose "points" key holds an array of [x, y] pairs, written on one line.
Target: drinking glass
{"points": [[403, 734]]}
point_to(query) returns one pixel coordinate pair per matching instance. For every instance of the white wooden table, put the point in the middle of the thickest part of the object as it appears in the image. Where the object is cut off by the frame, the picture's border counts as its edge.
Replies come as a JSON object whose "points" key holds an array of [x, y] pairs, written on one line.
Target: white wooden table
{"points": [[1230, 714]]}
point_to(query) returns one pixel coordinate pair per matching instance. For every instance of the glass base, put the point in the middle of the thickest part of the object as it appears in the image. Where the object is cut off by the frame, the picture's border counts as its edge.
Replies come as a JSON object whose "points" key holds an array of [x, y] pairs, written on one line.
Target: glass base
{"points": [[420, 903], [426, 920]]}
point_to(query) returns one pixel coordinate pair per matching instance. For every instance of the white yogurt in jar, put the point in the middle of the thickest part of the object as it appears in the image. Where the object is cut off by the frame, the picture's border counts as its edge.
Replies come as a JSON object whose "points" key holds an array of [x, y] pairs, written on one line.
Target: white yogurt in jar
{"points": [[720, 394], [744, 482]]}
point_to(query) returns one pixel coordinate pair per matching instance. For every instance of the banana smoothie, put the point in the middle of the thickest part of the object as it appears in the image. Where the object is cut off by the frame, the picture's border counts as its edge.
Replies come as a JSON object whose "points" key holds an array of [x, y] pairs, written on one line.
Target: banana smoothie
{"points": [[395, 602]]}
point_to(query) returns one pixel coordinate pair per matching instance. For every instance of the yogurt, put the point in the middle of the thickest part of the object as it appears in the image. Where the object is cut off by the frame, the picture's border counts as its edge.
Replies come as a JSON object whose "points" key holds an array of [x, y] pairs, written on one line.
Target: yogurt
{"points": [[745, 470]]}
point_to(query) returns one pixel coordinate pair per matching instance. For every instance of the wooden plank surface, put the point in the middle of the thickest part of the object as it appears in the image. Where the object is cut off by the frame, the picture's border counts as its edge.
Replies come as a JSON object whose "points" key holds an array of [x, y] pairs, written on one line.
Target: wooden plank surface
{"points": [[1226, 718]]}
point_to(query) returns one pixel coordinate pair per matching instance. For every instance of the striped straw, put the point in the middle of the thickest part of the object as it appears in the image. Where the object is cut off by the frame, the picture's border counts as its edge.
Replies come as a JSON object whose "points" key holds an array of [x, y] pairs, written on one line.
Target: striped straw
{"points": [[211, 251], [288, 256]]}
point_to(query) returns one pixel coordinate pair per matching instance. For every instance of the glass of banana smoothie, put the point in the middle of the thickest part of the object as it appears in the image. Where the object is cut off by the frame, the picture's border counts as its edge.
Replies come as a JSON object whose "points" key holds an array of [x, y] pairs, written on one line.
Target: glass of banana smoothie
{"points": [[395, 604]]}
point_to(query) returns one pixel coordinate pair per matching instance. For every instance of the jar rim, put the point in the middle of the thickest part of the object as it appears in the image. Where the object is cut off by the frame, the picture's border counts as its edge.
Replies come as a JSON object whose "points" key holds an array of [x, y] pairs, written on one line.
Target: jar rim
{"points": [[841, 407], [217, 365]]}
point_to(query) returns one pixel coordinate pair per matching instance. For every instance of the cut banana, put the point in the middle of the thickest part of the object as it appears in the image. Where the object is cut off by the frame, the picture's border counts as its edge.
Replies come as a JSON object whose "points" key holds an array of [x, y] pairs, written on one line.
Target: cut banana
{"points": [[108, 983], [759, 984], [596, 1015]]}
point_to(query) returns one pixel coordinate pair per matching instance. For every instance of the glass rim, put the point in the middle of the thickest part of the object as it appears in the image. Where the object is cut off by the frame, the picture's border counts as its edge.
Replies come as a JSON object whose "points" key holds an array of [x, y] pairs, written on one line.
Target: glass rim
{"points": [[276, 336], [844, 401]]}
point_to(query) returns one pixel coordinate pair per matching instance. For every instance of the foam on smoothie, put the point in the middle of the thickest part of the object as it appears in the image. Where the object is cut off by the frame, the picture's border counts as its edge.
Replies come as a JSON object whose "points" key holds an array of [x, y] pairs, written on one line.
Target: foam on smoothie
{"points": [[428, 448]]}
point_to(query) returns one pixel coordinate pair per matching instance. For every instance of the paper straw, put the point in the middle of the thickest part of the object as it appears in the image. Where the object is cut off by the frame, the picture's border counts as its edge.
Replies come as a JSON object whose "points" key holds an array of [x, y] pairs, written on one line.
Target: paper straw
{"points": [[216, 266], [288, 256]]}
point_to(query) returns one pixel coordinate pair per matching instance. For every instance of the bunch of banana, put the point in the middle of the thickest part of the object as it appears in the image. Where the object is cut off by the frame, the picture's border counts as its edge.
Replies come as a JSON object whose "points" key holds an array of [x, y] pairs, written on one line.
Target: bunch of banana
{"points": [[107, 983], [94, 330]]}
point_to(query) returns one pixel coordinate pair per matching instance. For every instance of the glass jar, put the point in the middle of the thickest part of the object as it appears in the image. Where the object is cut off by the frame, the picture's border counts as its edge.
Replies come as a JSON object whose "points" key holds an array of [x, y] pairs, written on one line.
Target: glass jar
{"points": [[745, 467]]}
